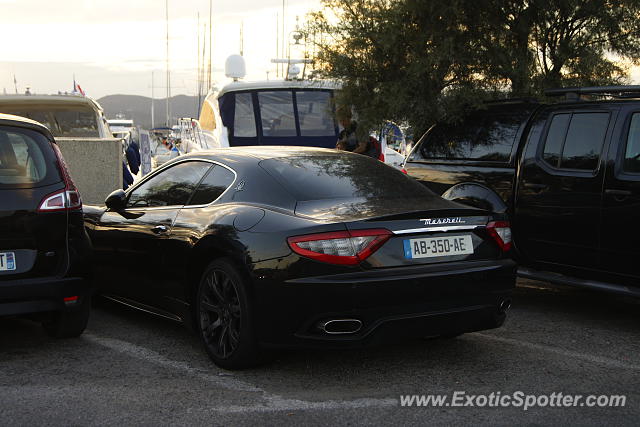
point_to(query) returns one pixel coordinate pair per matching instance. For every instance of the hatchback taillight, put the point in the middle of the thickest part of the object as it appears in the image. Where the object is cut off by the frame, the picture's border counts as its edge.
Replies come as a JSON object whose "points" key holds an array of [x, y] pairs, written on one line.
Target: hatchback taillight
{"points": [[65, 199], [340, 247], [60, 201], [501, 233]]}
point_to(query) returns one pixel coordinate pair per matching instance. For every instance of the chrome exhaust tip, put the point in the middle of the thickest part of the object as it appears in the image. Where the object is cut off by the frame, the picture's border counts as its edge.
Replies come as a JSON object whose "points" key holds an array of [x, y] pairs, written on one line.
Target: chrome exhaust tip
{"points": [[505, 305], [340, 326]]}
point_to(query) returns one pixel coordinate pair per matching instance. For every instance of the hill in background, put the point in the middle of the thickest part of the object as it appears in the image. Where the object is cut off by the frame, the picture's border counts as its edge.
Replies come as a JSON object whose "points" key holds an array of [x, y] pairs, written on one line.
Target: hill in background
{"points": [[138, 108]]}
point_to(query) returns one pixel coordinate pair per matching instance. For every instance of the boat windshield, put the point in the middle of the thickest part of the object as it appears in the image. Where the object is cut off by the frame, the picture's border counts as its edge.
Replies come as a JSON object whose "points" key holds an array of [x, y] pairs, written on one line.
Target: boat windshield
{"points": [[62, 120], [285, 113]]}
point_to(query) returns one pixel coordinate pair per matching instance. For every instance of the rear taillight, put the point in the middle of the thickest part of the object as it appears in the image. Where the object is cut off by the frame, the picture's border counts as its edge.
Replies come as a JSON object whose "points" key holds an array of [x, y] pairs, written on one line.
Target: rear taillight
{"points": [[340, 247], [404, 171], [501, 233], [65, 199]]}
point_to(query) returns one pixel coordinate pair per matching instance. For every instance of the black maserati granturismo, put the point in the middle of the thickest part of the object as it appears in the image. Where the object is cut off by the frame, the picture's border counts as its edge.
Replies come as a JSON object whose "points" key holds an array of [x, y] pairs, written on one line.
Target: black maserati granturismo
{"points": [[262, 247]]}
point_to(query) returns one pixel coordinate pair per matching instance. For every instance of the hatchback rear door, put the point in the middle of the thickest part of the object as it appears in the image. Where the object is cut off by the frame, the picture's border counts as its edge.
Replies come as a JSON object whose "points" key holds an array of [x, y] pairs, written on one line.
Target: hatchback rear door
{"points": [[33, 243]]}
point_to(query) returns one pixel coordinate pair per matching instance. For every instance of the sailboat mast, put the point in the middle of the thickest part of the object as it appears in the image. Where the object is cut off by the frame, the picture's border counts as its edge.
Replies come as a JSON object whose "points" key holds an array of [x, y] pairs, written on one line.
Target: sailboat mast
{"points": [[153, 123], [199, 88], [168, 75], [241, 38], [210, 44]]}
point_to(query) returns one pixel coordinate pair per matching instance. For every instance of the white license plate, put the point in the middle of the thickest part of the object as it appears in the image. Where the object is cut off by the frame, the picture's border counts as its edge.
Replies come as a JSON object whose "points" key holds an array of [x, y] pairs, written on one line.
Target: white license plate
{"points": [[438, 246], [7, 261]]}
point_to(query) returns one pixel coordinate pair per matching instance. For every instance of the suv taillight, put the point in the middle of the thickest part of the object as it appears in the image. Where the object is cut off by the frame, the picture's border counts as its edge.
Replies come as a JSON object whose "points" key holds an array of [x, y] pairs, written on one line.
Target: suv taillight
{"points": [[501, 233], [65, 199], [340, 247]]}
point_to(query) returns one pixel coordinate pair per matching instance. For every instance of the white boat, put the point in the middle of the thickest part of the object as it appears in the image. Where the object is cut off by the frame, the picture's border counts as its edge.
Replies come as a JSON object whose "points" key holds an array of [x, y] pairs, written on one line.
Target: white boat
{"points": [[273, 112], [72, 116], [120, 125]]}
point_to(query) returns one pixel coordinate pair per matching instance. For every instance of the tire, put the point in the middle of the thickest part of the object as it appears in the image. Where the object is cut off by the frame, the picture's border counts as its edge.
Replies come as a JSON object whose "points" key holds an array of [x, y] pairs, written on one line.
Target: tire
{"points": [[69, 324], [224, 318]]}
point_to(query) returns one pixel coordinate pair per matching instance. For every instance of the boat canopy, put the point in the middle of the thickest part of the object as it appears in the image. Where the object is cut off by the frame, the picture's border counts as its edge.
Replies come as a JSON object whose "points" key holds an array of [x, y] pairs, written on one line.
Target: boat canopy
{"points": [[279, 113]]}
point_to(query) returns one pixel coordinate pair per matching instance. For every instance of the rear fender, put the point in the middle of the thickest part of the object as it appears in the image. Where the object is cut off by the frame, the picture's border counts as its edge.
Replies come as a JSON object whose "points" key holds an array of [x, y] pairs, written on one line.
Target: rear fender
{"points": [[210, 248], [476, 195]]}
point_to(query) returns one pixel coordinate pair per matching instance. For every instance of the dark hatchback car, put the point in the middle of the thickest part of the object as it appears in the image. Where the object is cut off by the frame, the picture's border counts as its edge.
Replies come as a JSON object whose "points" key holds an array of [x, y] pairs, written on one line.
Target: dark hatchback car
{"points": [[287, 246], [43, 245]]}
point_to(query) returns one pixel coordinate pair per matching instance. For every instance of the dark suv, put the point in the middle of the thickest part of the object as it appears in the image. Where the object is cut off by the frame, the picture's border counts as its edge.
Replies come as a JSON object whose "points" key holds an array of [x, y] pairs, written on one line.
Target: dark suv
{"points": [[567, 173], [43, 246]]}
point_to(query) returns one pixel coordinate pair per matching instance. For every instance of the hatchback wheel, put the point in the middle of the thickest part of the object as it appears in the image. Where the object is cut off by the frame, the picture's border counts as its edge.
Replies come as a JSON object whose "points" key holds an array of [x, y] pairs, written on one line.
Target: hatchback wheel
{"points": [[68, 324], [224, 317]]}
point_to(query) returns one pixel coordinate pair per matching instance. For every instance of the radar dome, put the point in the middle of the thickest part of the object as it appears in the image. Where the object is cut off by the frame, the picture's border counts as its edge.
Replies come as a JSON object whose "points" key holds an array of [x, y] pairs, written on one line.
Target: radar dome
{"points": [[234, 67]]}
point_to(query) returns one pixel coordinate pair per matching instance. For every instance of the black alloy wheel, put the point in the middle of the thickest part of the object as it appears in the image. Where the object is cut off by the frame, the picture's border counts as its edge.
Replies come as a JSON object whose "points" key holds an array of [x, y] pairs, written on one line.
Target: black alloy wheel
{"points": [[224, 317]]}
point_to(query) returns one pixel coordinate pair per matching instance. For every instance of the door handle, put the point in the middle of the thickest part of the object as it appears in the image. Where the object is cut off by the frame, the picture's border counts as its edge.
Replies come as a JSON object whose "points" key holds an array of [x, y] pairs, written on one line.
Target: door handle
{"points": [[617, 193], [158, 229], [535, 187]]}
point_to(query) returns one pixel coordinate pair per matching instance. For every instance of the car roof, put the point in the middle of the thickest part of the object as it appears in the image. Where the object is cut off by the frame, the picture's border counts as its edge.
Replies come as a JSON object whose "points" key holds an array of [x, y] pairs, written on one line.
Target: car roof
{"points": [[262, 152], [23, 122]]}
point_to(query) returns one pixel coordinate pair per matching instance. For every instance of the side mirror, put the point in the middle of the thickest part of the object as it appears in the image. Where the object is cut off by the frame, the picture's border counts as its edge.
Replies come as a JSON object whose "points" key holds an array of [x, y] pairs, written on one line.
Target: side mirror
{"points": [[116, 201]]}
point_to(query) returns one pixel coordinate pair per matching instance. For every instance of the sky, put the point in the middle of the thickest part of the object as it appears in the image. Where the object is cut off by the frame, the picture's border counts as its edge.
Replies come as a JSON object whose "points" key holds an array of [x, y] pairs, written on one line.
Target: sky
{"points": [[118, 46]]}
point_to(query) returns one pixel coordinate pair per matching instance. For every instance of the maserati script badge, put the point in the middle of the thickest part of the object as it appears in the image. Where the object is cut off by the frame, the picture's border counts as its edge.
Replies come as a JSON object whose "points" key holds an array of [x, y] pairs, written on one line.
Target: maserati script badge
{"points": [[439, 221]]}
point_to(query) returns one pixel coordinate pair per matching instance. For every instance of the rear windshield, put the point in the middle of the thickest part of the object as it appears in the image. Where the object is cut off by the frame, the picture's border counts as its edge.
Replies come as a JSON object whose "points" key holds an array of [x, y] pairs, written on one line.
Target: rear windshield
{"points": [[26, 159], [62, 120], [484, 135], [339, 176]]}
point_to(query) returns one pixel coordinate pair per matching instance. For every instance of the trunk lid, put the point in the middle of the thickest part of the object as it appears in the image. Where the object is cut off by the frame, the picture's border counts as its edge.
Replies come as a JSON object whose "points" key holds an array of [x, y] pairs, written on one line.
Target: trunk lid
{"points": [[444, 231], [430, 237]]}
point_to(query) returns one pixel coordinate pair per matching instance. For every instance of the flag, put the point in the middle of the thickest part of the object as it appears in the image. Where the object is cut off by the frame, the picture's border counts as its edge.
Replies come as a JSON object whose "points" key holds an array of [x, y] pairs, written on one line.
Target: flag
{"points": [[77, 88]]}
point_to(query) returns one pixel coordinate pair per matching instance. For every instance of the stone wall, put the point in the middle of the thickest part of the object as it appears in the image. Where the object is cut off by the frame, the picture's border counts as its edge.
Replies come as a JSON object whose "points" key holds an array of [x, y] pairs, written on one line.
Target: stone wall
{"points": [[95, 165]]}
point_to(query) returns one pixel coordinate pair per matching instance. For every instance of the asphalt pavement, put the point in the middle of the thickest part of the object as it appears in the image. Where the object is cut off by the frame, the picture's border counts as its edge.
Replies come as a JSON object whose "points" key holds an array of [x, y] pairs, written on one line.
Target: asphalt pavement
{"points": [[131, 368]]}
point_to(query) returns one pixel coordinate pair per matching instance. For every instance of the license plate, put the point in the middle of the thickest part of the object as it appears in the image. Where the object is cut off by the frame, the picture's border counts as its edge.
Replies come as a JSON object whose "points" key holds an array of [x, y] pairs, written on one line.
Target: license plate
{"points": [[7, 261], [438, 246]]}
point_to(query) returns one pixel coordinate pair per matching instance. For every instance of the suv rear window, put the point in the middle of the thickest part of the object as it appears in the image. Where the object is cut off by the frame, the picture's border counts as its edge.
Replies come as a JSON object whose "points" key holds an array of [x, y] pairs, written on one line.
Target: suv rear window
{"points": [[26, 160], [483, 135], [341, 176]]}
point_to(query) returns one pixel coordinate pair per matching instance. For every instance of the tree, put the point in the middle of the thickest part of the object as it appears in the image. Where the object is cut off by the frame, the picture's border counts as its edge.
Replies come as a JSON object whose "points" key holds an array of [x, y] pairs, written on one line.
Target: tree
{"points": [[416, 61], [395, 58]]}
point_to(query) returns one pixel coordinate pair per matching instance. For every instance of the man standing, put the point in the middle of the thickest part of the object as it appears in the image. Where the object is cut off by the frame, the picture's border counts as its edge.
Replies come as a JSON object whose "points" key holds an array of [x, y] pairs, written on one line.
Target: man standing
{"points": [[349, 140]]}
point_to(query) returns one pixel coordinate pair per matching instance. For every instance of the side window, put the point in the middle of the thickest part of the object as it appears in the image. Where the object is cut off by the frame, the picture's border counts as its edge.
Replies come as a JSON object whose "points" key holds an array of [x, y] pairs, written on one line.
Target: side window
{"points": [[212, 186], [631, 162], [276, 109], [171, 187], [555, 139], [316, 114], [21, 159], [584, 141], [244, 122], [578, 146]]}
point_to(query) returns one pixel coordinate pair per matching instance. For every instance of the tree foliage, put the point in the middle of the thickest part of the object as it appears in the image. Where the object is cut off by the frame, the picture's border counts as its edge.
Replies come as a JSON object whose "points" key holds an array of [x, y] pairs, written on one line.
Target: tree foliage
{"points": [[418, 60]]}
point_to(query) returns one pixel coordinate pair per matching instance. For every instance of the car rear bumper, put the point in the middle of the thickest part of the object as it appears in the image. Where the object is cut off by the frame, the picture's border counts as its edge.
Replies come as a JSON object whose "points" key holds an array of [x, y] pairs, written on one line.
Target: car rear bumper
{"points": [[42, 294], [391, 304]]}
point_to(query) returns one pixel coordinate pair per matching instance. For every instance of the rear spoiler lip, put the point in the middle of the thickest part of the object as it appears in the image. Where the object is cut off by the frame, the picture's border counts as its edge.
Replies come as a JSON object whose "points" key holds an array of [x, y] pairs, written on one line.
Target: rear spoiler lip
{"points": [[441, 228]]}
